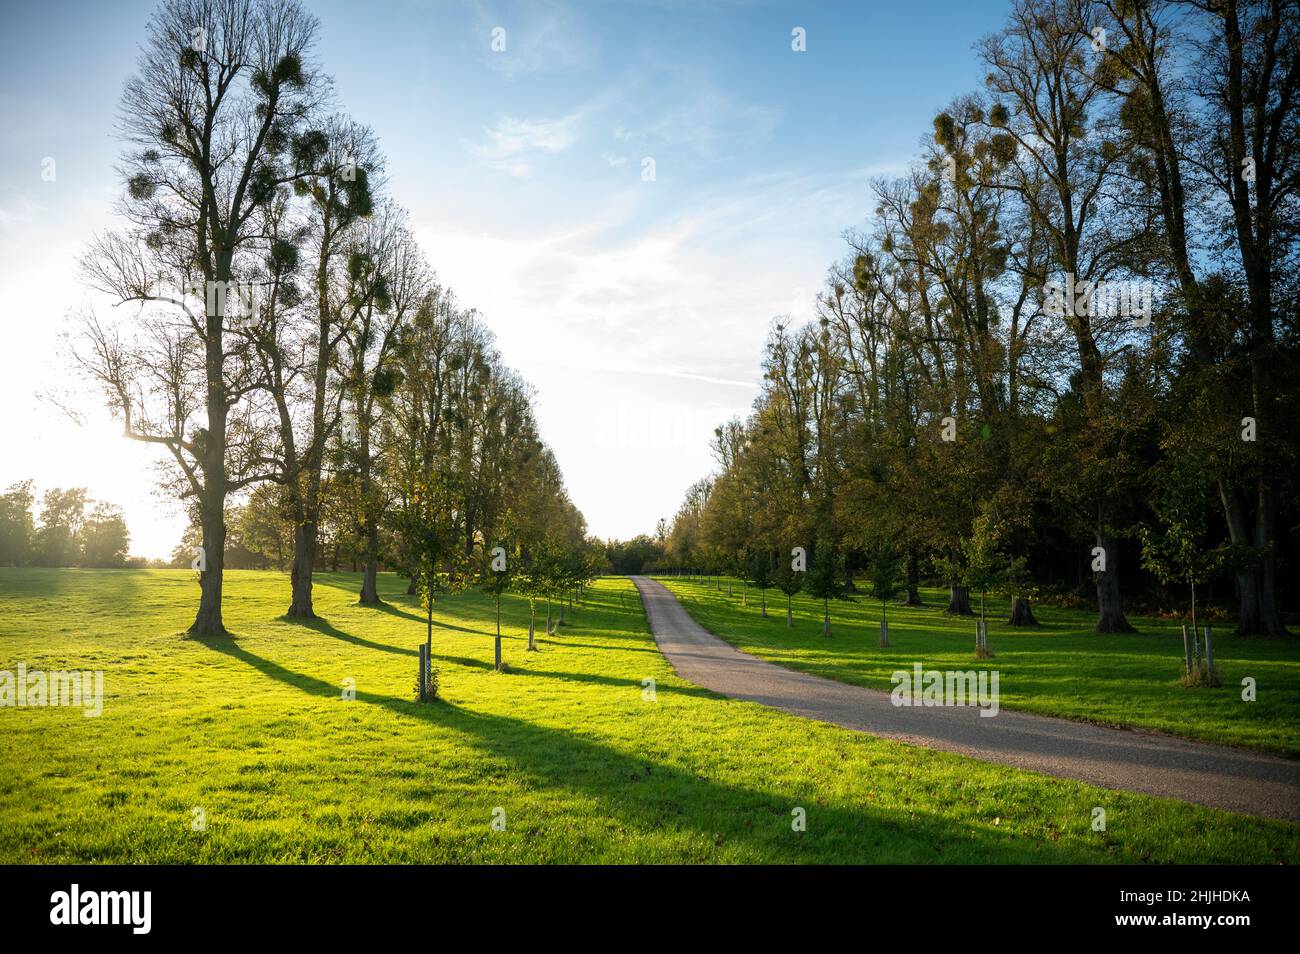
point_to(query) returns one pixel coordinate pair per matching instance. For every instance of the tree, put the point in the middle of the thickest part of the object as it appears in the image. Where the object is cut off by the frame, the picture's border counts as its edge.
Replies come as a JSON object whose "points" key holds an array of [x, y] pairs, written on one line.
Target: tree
{"points": [[219, 96], [399, 280], [494, 578], [1217, 128], [825, 581], [985, 568], [17, 527], [105, 541], [760, 571], [1063, 165], [264, 526], [59, 536], [439, 566], [1174, 544], [789, 581], [886, 566]]}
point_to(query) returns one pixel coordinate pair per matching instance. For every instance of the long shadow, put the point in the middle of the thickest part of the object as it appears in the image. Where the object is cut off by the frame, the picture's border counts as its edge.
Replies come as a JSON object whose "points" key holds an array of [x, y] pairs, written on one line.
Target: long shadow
{"points": [[620, 681], [654, 795], [326, 628], [574, 644], [392, 610]]}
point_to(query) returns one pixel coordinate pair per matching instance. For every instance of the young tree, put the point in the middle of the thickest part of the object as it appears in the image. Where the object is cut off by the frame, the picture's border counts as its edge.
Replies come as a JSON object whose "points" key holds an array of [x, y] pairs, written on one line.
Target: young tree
{"points": [[825, 581], [1174, 544], [760, 571], [494, 578], [886, 566], [789, 581]]}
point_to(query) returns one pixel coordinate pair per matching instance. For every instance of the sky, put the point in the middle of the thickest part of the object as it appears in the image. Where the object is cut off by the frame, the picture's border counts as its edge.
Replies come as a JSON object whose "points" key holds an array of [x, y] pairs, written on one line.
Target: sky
{"points": [[630, 193]]}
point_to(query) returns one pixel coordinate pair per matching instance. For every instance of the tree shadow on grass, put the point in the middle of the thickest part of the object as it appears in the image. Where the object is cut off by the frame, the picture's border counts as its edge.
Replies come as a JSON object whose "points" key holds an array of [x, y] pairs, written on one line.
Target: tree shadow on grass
{"points": [[326, 628], [615, 681], [650, 795], [392, 610]]}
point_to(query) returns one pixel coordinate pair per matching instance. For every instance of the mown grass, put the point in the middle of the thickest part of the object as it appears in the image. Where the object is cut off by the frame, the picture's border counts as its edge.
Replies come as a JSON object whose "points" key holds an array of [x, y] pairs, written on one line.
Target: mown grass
{"points": [[254, 730], [1061, 668]]}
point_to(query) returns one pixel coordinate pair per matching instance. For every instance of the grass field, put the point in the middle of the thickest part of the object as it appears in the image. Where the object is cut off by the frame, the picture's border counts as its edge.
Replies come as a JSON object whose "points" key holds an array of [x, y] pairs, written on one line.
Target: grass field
{"points": [[1061, 668], [254, 731]]}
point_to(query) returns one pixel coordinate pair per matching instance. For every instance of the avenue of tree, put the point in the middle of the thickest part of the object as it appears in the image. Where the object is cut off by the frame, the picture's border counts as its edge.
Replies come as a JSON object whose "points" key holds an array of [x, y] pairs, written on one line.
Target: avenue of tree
{"points": [[1064, 353], [286, 343]]}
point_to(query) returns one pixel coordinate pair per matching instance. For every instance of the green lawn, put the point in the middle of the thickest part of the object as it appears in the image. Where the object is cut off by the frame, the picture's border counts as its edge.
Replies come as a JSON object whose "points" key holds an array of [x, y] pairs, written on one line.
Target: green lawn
{"points": [[254, 731], [1062, 668]]}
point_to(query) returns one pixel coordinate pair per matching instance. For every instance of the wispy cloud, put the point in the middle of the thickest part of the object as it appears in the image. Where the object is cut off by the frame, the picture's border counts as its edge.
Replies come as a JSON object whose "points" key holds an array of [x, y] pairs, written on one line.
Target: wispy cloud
{"points": [[539, 37], [512, 144]]}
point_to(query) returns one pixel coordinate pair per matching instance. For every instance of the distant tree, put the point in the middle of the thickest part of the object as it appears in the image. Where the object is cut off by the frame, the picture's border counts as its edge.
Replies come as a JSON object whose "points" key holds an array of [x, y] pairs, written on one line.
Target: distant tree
{"points": [[635, 556], [58, 538], [17, 527], [265, 526], [105, 541]]}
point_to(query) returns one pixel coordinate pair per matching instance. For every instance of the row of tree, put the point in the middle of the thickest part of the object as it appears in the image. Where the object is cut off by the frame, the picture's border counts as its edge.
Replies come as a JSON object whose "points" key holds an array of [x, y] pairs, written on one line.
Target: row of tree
{"points": [[73, 530], [1064, 353], [290, 348]]}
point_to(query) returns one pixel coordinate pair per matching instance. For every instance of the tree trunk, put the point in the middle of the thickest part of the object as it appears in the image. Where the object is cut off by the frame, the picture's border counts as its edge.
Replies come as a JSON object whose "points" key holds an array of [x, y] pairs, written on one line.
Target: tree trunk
{"points": [[212, 514], [826, 618], [1021, 613], [764, 593], [208, 622], [370, 583], [370, 513], [304, 560], [1110, 618], [410, 586], [789, 613], [497, 664], [913, 582], [1256, 585], [532, 626], [959, 599]]}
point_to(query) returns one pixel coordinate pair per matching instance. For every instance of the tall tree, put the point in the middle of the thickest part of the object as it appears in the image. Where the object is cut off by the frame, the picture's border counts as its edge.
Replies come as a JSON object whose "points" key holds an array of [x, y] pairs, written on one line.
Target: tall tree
{"points": [[220, 93]]}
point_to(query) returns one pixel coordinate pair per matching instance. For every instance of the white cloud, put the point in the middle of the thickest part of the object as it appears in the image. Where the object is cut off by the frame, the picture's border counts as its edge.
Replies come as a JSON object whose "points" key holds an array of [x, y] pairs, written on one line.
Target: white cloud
{"points": [[540, 37], [512, 144]]}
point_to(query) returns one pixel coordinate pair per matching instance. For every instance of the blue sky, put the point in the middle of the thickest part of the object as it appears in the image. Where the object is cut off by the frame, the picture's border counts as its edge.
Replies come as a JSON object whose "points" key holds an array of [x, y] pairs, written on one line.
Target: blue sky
{"points": [[637, 308]]}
